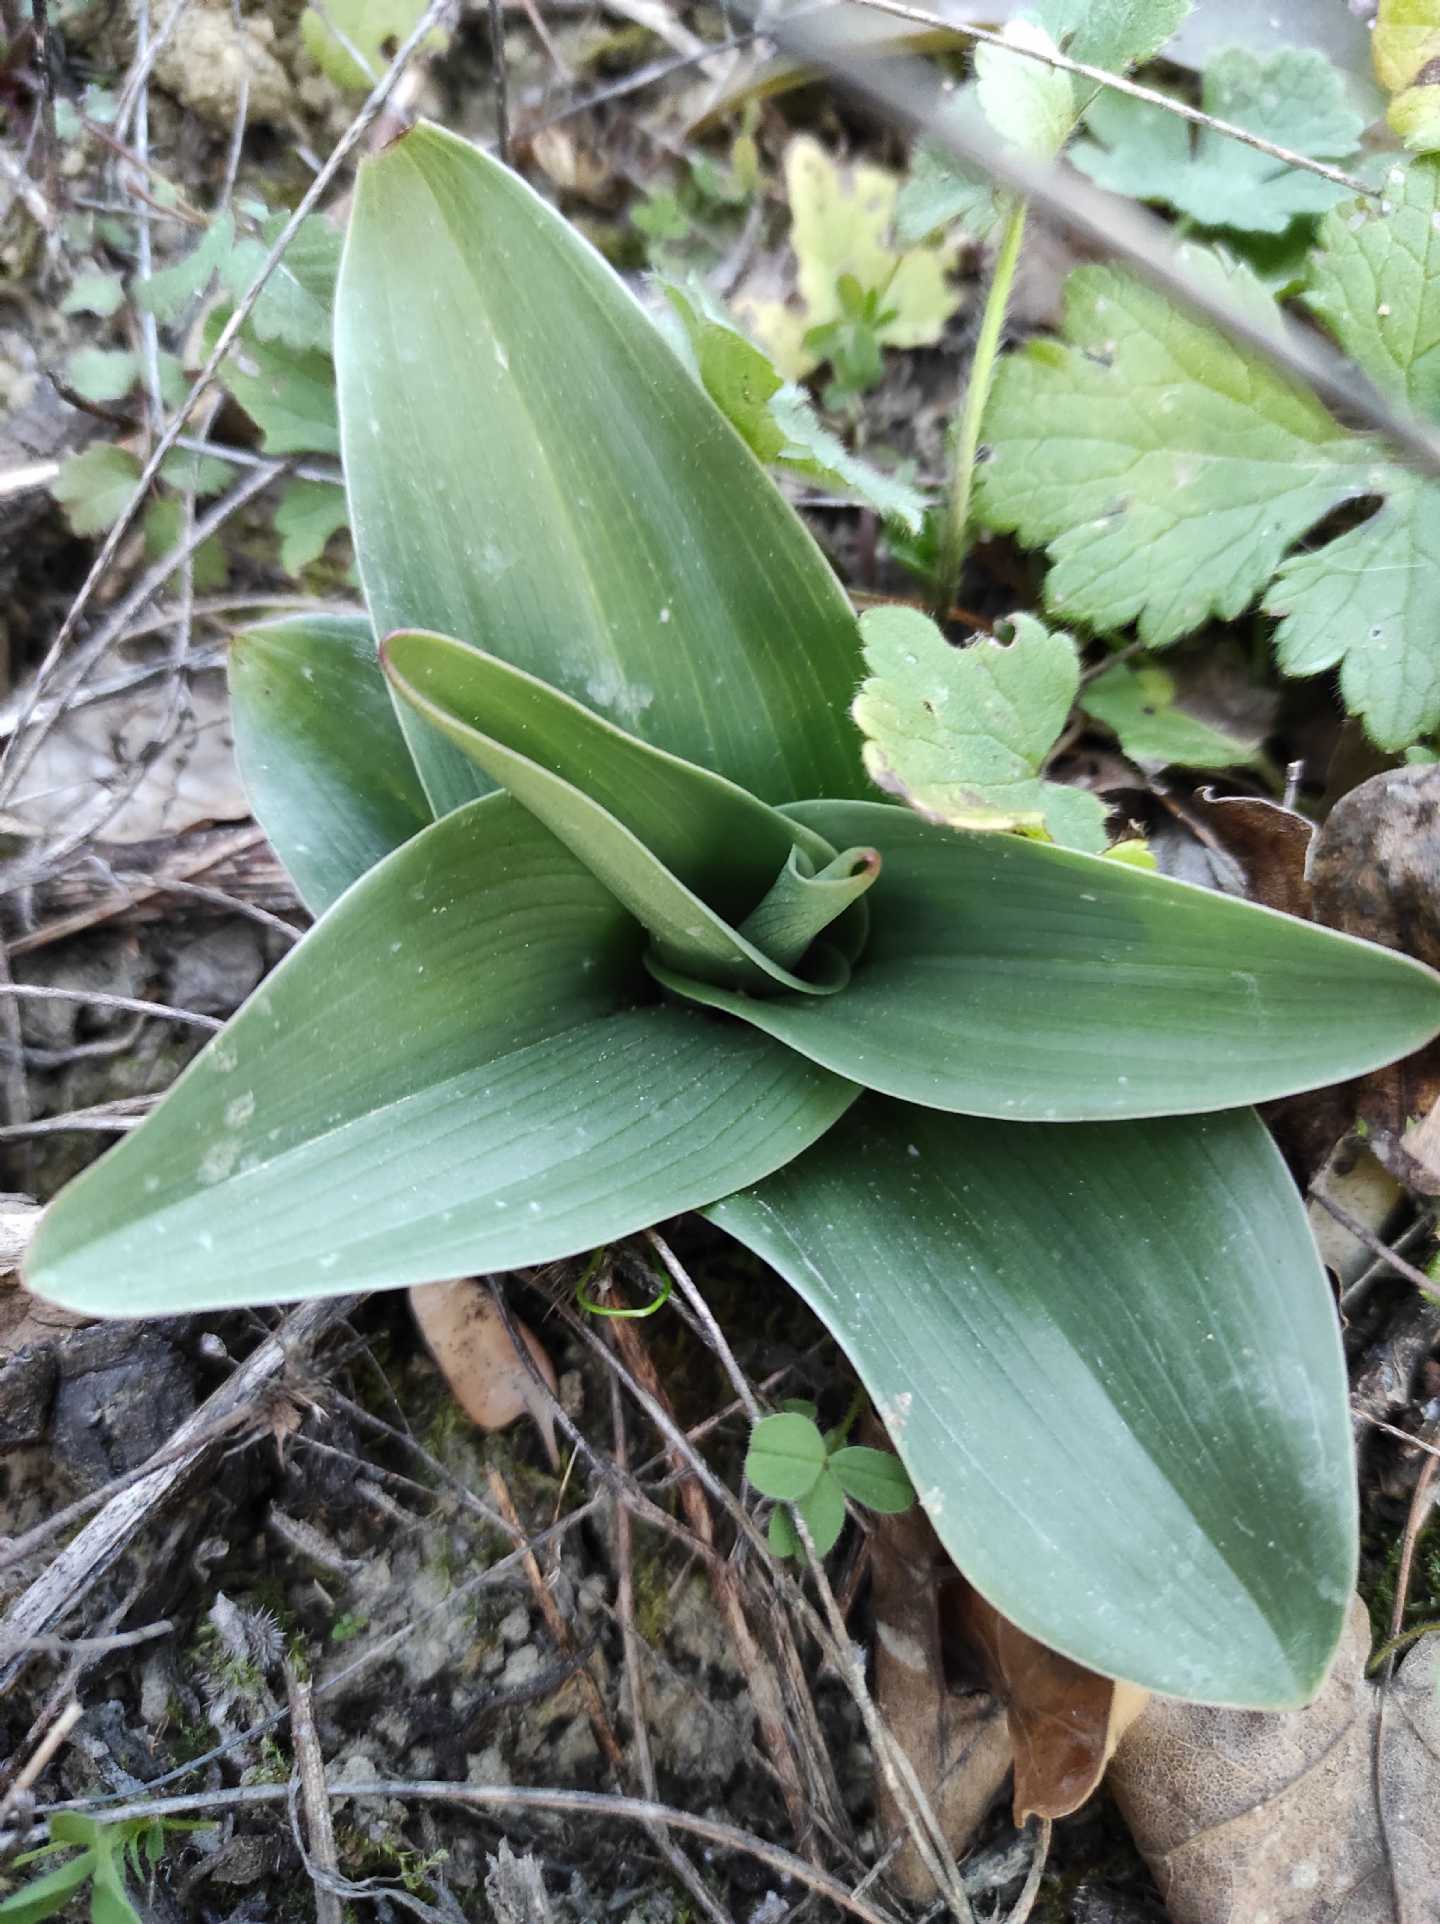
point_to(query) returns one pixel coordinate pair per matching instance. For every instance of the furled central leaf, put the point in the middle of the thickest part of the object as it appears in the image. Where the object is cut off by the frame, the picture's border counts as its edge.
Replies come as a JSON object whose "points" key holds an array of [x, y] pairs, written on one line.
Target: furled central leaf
{"points": [[532, 470], [688, 853]]}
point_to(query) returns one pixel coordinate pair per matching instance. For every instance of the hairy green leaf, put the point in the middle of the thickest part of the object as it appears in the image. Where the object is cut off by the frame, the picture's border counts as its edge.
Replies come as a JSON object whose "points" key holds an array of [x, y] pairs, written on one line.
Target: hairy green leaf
{"points": [[532, 469], [1009, 978], [483, 1085], [962, 734], [94, 486], [320, 750], [1295, 99], [288, 394], [1138, 1455], [1168, 473], [102, 374]]}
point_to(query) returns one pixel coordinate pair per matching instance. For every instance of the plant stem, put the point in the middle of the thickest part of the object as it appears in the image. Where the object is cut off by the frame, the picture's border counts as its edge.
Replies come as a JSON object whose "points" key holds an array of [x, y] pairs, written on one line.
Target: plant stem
{"points": [[954, 544]]}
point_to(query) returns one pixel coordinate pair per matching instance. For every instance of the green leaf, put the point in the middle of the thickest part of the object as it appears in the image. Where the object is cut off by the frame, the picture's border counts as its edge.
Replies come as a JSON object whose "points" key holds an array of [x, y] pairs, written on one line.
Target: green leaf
{"points": [[94, 487], [296, 304], [533, 470], [1030, 105], [687, 852], [1005, 977], [167, 293], [102, 374], [962, 734], [823, 1508], [1117, 34], [164, 526], [450, 1074], [289, 395], [1295, 98], [1140, 705], [1033, 106], [320, 750], [782, 1536], [786, 1455], [874, 1478], [940, 192], [1138, 1455], [374, 29], [774, 417], [94, 293], [306, 515], [1406, 46], [1168, 473], [840, 231], [1375, 283], [199, 474], [47, 1896]]}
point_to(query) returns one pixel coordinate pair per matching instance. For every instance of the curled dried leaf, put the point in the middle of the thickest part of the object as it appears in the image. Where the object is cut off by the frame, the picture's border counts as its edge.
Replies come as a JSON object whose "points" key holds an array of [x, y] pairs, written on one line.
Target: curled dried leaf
{"points": [[1065, 1721], [469, 1341]]}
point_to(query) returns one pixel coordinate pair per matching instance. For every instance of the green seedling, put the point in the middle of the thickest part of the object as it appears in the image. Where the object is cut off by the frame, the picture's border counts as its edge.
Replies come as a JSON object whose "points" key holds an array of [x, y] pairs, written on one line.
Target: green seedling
{"points": [[791, 1460]]}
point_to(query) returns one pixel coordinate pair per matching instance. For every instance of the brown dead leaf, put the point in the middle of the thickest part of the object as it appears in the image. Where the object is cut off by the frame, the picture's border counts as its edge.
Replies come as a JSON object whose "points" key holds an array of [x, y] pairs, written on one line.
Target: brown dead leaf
{"points": [[1064, 1720], [470, 1343], [1271, 844], [956, 1741], [1329, 1815]]}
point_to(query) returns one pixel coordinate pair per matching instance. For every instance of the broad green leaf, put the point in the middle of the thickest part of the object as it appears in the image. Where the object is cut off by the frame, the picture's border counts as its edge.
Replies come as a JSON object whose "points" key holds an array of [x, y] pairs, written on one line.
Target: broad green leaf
{"points": [[1168, 474], [306, 515], [773, 416], [320, 750], [962, 734], [532, 469], [840, 229], [873, 1477], [94, 486], [1294, 98], [1154, 730], [786, 1455], [1128, 1444], [1406, 49], [823, 1508], [102, 374], [454, 1072], [1005, 977], [48, 1895], [687, 852]]}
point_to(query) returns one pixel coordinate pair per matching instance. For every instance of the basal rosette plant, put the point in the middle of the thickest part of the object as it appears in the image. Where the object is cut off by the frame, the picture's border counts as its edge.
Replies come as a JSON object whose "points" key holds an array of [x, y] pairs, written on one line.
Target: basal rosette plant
{"points": [[612, 926]]}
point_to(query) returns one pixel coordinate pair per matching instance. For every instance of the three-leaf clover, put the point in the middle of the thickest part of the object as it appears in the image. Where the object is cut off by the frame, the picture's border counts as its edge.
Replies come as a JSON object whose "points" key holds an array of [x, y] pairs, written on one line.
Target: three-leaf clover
{"points": [[791, 1460]]}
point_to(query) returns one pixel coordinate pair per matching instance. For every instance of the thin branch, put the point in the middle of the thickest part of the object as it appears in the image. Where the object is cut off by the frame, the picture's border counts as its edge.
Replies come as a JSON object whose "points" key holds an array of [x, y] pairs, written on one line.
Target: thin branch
{"points": [[132, 1005]]}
